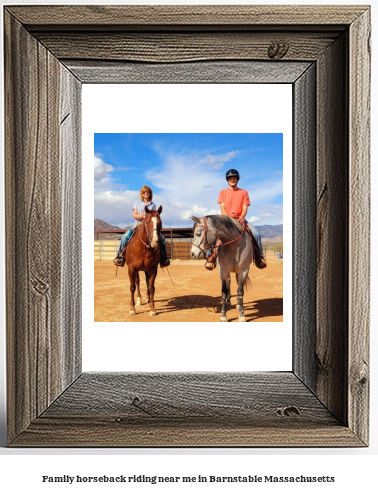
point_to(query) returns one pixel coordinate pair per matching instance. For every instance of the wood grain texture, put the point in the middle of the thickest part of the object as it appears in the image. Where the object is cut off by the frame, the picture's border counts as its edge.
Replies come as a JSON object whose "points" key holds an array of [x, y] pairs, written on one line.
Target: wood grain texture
{"points": [[359, 226], [199, 72], [184, 16], [100, 432], [304, 212], [332, 230], [220, 396], [180, 47], [196, 409], [31, 193], [35, 248], [324, 402], [71, 229]]}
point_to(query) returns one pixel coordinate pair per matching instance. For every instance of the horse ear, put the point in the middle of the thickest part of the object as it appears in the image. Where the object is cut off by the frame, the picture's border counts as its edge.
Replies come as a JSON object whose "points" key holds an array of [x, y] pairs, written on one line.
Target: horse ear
{"points": [[160, 209], [147, 210], [196, 219]]}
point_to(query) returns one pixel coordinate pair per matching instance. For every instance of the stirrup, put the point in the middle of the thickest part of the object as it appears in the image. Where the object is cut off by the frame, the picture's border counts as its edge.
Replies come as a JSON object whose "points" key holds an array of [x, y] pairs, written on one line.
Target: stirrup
{"points": [[119, 261], [166, 263]]}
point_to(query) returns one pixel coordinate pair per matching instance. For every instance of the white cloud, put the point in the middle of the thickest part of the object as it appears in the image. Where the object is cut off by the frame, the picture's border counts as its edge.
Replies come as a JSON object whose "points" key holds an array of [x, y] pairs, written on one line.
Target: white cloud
{"points": [[101, 169], [254, 219], [216, 162], [115, 207], [187, 184]]}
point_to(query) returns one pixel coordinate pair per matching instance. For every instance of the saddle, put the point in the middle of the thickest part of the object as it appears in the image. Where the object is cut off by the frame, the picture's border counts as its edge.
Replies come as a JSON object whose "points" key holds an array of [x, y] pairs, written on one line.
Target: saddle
{"points": [[211, 261]]}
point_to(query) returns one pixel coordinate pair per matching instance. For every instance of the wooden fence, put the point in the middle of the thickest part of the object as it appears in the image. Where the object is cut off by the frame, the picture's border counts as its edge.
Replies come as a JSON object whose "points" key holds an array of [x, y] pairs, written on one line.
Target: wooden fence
{"points": [[107, 249]]}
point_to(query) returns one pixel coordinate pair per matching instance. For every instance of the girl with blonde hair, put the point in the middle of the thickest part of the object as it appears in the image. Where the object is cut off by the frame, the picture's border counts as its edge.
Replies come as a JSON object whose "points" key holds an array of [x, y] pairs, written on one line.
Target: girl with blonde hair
{"points": [[139, 214]]}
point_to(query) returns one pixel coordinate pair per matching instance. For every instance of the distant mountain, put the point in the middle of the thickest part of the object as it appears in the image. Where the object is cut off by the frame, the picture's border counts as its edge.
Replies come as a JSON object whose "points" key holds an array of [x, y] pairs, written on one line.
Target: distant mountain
{"points": [[270, 231], [100, 225], [271, 235]]}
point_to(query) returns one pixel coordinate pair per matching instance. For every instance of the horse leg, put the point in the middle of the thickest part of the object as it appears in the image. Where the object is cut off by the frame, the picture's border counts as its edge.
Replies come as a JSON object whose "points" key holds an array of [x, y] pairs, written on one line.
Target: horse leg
{"points": [[240, 305], [225, 291], [138, 295], [148, 287], [151, 289], [132, 277], [237, 281], [229, 292]]}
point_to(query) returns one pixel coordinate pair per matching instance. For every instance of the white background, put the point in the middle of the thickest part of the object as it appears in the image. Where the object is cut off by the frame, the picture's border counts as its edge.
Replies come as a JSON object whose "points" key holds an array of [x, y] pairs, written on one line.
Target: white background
{"points": [[186, 346], [354, 469]]}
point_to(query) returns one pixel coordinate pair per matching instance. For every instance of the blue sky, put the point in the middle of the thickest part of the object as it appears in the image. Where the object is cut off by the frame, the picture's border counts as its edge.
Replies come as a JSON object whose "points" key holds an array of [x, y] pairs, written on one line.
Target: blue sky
{"points": [[186, 173]]}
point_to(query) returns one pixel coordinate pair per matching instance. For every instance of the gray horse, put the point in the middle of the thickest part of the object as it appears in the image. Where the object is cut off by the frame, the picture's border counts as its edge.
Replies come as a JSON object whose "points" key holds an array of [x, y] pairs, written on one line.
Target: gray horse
{"points": [[235, 253]]}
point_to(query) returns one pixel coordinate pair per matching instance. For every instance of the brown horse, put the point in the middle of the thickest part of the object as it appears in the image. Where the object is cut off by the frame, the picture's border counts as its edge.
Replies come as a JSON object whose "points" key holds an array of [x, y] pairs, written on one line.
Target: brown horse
{"points": [[143, 254]]}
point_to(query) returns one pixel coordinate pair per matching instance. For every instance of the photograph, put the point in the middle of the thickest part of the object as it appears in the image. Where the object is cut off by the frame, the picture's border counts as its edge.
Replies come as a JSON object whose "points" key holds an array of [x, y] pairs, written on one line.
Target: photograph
{"points": [[192, 174], [214, 205]]}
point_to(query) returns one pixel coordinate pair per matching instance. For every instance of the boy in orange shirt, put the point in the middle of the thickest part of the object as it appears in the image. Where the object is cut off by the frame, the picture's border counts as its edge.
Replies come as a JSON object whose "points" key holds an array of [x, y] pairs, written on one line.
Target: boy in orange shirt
{"points": [[234, 202]]}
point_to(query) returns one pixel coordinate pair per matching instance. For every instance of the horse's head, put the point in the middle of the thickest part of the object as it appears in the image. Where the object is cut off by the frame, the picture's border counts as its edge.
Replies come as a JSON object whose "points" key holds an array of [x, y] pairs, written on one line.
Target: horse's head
{"points": [[153, 224], [198, 243]]}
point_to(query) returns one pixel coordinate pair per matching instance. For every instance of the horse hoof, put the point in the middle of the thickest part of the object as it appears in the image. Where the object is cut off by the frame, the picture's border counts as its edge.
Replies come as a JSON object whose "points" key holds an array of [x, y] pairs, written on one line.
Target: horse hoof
{"points": [[138, 302], [223, 318], [132, 313], [242, 319], [153, 313]]}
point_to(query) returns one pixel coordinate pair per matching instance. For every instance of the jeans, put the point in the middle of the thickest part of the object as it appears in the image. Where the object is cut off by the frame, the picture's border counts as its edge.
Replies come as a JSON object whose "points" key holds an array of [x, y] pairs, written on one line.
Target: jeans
{"points": [[124, 239], [257, 237]]}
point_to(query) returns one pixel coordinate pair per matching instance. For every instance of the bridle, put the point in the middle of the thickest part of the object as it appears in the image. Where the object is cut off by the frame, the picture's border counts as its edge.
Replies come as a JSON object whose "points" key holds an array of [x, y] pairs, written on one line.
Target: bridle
{"points": [[217, 245], [149, 233]]}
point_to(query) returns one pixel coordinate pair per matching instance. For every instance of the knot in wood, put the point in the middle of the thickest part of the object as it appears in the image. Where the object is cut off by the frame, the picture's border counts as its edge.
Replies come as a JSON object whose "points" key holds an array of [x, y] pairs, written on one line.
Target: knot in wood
{"points": [[288, 411], [136, 400], [41, 287], [278, 50]]}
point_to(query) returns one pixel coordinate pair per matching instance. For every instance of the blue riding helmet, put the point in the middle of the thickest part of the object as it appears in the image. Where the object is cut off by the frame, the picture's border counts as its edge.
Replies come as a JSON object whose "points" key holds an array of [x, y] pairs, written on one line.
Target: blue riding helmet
{"points": [[232, 173]]}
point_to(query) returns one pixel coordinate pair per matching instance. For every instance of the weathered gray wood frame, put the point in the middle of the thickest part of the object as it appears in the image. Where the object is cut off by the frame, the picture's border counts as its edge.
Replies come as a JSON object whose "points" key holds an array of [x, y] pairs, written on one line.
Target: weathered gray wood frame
{"points": [[49, 53]]}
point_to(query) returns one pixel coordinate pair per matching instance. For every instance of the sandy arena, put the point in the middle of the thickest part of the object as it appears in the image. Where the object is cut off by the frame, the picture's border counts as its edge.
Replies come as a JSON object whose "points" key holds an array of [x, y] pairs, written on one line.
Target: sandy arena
{"points": [[186, 291]]}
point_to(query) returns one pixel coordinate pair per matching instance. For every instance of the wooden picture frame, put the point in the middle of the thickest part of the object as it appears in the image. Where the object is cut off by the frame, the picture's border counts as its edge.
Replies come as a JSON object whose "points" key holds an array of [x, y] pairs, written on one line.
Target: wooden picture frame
{"points": [[324, 52]]}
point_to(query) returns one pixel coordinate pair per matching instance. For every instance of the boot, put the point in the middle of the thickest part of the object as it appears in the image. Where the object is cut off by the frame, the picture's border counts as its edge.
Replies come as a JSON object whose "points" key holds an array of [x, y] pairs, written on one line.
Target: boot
{"points": [[119, 261], [260, 262], [164, 261], [121, 258]]}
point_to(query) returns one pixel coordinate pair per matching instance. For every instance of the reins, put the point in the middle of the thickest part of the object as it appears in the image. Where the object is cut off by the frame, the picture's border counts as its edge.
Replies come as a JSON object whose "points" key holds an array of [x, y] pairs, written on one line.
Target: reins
{"points": [[140, 237], [206, 228], [148, 244]]}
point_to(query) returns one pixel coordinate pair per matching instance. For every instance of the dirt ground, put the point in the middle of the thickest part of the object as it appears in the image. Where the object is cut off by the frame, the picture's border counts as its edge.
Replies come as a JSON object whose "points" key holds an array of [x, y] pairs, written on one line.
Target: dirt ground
{"points": [[186, 291]]}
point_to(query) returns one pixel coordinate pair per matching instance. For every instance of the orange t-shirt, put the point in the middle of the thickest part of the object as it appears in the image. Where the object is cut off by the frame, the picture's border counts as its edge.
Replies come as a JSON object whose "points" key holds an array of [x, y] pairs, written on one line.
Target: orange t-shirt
{"points": [[234, 200]]}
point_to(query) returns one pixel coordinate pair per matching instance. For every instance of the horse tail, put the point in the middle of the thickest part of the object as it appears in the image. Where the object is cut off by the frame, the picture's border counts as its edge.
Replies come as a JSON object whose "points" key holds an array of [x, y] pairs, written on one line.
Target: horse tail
{"points": [[247, 284]]}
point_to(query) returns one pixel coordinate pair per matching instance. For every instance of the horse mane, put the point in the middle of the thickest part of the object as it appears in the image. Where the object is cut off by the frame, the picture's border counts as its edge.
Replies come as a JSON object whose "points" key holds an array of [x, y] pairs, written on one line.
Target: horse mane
{"points": [[226, 221]]}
